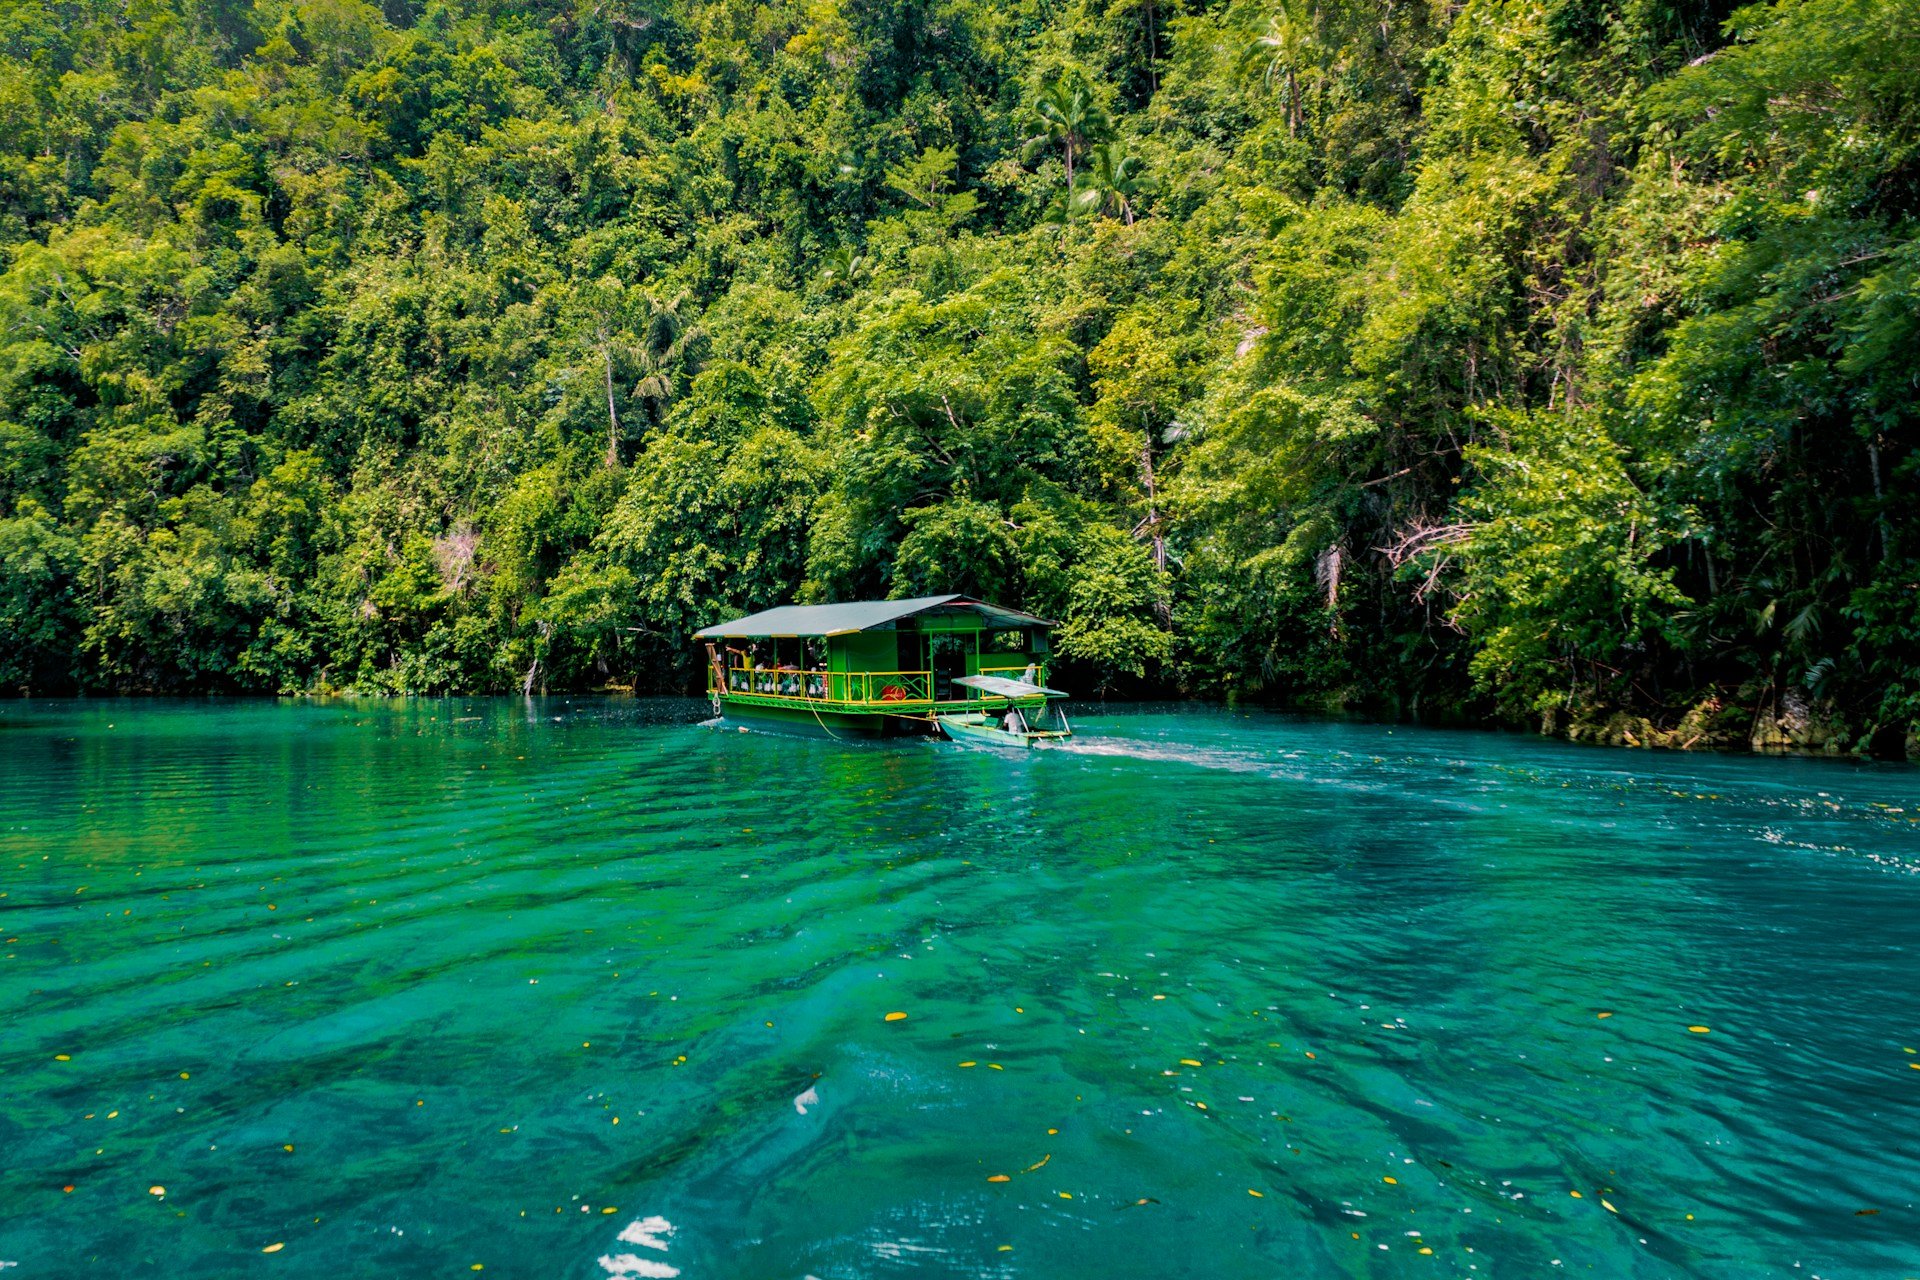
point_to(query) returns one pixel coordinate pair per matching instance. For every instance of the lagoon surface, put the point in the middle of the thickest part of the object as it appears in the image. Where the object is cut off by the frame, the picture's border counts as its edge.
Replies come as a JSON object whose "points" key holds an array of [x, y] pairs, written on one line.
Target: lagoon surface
{"points": [[417, 988]]}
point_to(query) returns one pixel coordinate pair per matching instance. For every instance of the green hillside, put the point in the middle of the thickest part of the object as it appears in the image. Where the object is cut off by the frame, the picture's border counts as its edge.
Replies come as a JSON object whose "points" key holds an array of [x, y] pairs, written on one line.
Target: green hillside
{"points": [[1553, 362]]}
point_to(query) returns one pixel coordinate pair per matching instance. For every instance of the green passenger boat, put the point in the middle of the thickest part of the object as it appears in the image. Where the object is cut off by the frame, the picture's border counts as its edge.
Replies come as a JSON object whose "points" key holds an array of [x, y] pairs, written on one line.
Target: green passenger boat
{"points": [[881, 668]]}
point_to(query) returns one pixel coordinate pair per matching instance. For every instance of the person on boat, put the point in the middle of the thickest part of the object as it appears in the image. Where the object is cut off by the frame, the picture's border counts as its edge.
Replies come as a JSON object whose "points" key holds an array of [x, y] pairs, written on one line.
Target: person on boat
{"points": [[1012, 724]]}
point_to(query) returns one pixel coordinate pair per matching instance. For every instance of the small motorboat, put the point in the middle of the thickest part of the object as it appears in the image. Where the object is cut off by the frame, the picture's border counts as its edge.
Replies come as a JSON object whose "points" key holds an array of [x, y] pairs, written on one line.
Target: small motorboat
{"points": [[1016, 713]]}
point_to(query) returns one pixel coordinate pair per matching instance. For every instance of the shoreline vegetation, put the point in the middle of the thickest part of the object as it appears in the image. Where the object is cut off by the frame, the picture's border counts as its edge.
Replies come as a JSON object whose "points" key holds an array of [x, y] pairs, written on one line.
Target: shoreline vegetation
{"points": [[1547, 364], [1790, 737]]}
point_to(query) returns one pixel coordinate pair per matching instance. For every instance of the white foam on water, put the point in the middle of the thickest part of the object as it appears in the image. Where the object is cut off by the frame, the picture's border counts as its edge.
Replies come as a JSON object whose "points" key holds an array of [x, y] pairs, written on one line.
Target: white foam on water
{"points": [[647, 1232], [811, 1098], [625, 1266]]}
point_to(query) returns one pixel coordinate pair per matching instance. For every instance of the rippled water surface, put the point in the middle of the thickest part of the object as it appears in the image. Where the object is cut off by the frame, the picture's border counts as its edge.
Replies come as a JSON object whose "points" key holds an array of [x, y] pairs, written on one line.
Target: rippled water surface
{"points": [[413, 989]]}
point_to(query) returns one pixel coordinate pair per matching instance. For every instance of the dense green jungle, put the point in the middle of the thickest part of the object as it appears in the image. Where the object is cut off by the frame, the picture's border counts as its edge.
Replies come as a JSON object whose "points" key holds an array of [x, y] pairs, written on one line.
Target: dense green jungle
{"points": [[1550, 362]]}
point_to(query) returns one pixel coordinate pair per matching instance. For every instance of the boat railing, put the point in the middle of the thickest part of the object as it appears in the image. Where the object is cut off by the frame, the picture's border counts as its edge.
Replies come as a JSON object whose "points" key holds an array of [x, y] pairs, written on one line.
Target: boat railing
{"points": [[859, 687]]}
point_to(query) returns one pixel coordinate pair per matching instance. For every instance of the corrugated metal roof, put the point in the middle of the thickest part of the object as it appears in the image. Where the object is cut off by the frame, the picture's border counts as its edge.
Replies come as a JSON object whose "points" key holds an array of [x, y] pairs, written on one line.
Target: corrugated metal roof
{"points": [[854, 615]]}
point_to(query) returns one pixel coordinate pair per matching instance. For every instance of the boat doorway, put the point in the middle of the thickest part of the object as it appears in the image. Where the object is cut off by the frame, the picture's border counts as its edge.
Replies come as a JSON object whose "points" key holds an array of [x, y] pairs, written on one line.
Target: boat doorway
{"points": [[947, 658]]}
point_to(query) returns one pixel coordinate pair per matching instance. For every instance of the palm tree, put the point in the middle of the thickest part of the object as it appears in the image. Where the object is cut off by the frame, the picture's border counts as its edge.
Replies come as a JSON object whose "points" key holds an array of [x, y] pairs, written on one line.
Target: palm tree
{"points": [[844, 265], [1113, 178], [1069, 118], [665, 348], [1286, 46]]}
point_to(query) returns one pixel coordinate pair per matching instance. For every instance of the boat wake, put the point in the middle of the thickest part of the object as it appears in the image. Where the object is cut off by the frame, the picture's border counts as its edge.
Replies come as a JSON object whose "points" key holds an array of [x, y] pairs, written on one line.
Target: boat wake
{"points": [[1334, 769]]}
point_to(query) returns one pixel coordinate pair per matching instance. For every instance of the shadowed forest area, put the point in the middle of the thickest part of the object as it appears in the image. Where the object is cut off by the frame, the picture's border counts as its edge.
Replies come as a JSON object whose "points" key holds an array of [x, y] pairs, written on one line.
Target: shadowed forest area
{"points": [[1546, 362]]}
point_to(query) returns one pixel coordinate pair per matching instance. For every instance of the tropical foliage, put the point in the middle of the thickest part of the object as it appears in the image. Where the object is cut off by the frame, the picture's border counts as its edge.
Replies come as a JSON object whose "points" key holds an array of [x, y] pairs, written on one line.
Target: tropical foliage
{"points": [[1540, 358]]}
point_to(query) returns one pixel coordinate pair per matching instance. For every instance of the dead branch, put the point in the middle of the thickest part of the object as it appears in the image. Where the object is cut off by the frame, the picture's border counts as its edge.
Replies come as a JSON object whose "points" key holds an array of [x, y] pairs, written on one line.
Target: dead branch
{"points": [[1421, 537]]}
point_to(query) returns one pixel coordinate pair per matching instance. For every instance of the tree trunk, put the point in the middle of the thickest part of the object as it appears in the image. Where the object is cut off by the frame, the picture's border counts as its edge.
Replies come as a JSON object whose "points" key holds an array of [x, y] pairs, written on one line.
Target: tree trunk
{"points": [[1153, 51], [1153, 510], [1879, 499], [613, 418]]}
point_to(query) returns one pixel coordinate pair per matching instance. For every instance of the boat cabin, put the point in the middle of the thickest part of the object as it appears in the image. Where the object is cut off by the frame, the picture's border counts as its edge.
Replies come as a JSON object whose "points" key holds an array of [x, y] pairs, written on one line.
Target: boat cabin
{"points": [[872, 667]]}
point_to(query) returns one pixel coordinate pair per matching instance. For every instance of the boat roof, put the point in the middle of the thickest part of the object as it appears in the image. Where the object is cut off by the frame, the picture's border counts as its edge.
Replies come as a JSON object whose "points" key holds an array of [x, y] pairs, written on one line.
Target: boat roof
{"points": [[858, 615], [1003, 687]]}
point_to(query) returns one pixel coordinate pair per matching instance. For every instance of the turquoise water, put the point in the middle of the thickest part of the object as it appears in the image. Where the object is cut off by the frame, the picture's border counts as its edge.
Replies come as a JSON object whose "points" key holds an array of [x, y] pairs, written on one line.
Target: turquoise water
{"points": [[413, 988]]}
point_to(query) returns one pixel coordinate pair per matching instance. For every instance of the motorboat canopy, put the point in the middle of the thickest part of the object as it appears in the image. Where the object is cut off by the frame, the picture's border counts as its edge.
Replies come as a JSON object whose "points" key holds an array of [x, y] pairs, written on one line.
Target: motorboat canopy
{"points": [[1002, 687]]}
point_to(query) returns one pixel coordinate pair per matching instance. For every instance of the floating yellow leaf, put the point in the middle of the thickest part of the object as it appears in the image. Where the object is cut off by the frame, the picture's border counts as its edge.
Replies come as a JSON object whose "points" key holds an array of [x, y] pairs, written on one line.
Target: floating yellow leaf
{"points": [[1310, 1055], [183, 1075], [1041, 1164], [1159, 997], [1191, 1062], [1391, 1180], [895, 1017], [611, 1209], [1257, 1195], [1424, 1249], [1066, 1195], [1608, 1207], [1700, 1031], [999, 1177], [994, 1066], [156, 1191], [969, 1064], [1201, 1105], [275, 1247], [287, 1146], [1603, 1015], [1053, 1131], [62, 1057], [1006, 1248], [1576, 1195]]}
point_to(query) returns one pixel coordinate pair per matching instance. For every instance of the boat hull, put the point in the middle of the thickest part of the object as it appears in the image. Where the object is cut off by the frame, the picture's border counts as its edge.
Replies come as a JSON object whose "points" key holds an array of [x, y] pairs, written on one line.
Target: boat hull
{"points": [[820, 723], [984, 731]]}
